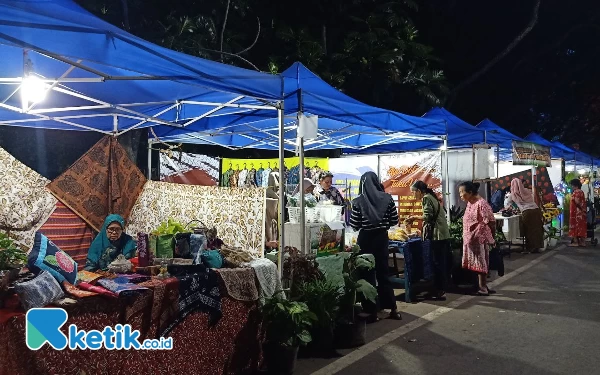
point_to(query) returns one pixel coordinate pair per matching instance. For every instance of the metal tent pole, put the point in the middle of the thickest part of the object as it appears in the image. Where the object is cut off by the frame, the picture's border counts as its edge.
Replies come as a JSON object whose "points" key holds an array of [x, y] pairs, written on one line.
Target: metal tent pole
{"points": [[281, 189], [446, 178], [302, 202], [149, 172]]}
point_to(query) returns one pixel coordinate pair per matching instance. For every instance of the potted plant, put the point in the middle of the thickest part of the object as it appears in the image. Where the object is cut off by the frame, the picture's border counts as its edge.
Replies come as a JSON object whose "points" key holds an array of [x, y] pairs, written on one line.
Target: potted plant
{"points": [[350, 331], [552, 236], [12, 259], [287, 326], [322, 298]]}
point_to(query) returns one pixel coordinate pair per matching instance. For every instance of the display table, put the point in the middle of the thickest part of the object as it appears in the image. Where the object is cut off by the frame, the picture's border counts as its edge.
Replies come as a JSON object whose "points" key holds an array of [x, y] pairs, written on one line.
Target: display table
{"points": [[229, 347], [511, 227], [418, 265], [319, 238]]}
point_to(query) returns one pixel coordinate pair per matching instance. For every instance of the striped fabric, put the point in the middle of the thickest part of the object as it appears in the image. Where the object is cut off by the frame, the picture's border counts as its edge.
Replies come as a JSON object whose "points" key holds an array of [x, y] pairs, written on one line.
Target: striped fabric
{"points": [[358, 221], [69, 232]]}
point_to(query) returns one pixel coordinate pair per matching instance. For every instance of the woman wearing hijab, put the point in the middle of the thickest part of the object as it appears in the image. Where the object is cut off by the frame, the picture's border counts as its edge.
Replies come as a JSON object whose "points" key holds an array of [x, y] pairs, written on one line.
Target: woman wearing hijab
{"points": [[307, 187], [373, 213], [110, 243], [531, 216]]}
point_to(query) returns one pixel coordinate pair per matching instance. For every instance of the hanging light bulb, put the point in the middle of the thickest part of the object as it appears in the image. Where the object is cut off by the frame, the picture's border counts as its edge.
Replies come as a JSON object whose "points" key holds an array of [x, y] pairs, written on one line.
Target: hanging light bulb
{"points": [[33, 89]]}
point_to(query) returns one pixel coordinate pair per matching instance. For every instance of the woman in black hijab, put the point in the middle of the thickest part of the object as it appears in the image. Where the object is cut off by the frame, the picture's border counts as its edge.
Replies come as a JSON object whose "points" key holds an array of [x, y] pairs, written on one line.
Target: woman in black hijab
{"points": [[373, 213]]}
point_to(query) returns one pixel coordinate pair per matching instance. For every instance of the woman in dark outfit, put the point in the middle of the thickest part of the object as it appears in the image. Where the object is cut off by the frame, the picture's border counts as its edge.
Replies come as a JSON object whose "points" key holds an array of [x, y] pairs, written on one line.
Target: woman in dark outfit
{"points": [[373, 213]]}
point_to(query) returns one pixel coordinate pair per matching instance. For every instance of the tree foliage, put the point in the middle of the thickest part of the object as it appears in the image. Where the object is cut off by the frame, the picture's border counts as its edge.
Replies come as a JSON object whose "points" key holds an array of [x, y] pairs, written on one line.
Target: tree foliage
{"points": [[367, 48]]}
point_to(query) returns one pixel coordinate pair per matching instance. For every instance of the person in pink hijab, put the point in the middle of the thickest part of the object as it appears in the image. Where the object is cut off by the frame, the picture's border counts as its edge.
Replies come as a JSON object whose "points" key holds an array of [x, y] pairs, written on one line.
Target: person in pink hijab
{"points": [[532, 223]]}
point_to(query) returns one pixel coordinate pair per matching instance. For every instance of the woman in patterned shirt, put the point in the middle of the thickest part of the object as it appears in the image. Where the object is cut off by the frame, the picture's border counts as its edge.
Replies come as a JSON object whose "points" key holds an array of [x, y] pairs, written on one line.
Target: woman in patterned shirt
{"points": [[326, 192]]}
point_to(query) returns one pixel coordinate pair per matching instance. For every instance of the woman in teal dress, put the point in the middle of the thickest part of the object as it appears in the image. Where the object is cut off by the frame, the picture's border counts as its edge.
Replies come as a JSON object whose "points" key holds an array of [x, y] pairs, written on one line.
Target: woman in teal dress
{"points": [[110, 243]]}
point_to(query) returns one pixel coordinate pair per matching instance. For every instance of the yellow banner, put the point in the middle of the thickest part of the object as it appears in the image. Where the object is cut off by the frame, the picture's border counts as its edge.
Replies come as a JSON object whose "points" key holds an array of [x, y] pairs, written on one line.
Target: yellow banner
{"points": [[240, 164]]}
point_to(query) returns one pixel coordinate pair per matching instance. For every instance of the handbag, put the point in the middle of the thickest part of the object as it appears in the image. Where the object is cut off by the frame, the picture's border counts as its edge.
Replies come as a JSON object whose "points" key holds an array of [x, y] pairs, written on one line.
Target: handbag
{"points": [[429, 227]]}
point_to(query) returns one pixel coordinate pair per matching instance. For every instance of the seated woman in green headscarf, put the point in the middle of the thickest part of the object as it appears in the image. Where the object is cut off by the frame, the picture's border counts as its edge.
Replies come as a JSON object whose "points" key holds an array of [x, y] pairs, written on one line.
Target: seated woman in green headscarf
{"points": [[110, 243]]}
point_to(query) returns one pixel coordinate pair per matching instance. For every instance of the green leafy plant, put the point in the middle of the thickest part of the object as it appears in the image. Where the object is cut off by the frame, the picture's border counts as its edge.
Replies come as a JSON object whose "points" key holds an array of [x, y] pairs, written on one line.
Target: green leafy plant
{"points": [[10, 255], [551, 233], [322, 298], [287, 322], [456, 214], [170, 226], [456, 234], [355, 289]]}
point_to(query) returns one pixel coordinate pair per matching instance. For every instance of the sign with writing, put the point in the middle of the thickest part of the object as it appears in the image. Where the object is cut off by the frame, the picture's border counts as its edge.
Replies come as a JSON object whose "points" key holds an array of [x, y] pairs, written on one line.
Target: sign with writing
{"points": [[527, 153], [399, 172], [348, 170]]}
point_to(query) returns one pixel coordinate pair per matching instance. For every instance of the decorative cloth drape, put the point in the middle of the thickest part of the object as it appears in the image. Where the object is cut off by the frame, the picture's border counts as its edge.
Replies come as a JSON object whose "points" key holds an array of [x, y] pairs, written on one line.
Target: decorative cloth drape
{"points": [[237, 213], [103, 181], [25, 203]]}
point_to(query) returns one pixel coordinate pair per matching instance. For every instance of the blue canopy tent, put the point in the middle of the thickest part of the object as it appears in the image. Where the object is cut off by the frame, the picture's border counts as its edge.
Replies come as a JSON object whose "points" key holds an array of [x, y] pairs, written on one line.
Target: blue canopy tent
{"points": [[343, 122], [458, 133], [497, 135], [94, 76]]}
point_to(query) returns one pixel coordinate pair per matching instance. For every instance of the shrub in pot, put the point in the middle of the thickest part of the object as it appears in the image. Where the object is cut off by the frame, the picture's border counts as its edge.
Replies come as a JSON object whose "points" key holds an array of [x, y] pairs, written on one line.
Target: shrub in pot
{"points": [[287, 324], [322, 298], [12, 259], [350, 331]]}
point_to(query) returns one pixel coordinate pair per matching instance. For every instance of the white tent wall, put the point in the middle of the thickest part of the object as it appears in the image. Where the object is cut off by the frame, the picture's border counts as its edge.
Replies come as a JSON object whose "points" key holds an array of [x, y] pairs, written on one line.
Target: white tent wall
{"points": [[460, 169]]}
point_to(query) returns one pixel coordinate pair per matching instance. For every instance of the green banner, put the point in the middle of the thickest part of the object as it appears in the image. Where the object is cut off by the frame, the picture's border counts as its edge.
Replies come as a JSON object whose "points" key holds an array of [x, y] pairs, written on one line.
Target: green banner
{"points": [[527, 153]]}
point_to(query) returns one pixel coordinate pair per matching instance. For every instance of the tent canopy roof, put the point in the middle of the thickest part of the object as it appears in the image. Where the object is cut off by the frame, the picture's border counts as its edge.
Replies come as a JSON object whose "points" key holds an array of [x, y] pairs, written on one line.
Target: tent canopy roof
{"points": [[95, 71], [343, 121]]}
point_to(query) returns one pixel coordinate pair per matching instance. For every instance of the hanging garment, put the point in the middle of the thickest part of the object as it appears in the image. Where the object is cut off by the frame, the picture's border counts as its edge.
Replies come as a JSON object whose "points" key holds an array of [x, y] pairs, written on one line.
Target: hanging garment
{"points": [[265, 177], [292, 177], [251, 178], [233, 179], [259, 176], [242, 178], [225, 182]]}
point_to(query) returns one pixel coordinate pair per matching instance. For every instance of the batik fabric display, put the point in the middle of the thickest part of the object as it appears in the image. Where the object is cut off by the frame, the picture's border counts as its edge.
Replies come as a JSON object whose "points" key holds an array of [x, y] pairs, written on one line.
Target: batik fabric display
{"points": [[237, 213], [103, 181], [69, 232], [46, 256], [187, 168], [25, 204]]}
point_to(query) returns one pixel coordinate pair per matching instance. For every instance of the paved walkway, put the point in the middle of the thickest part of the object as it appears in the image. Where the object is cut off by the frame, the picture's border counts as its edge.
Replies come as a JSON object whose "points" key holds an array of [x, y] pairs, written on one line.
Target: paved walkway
{"points": [[545, 319]]}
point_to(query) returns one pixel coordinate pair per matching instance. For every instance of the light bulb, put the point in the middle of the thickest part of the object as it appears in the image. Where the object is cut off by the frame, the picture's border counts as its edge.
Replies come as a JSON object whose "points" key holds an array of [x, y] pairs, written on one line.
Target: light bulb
{"points": [[569, 168], [582, 171], [33, 89]]}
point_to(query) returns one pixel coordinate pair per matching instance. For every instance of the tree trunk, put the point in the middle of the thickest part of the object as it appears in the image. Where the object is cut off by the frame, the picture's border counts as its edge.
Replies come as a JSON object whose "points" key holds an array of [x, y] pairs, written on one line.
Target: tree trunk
{"points": [[500, 56]]}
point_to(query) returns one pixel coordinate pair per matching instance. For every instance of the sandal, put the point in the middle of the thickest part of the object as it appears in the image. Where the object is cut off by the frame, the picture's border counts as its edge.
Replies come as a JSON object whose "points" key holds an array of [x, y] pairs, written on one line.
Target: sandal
{"points": [[490, 291], [483, 294], [395, 315]]}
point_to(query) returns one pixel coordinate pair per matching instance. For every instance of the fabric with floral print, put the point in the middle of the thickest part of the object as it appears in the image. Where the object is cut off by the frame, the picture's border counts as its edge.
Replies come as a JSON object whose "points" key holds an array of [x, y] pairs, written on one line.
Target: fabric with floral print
{"points": [[237, 213], [25, 203], [477, 236], [578, 215]]}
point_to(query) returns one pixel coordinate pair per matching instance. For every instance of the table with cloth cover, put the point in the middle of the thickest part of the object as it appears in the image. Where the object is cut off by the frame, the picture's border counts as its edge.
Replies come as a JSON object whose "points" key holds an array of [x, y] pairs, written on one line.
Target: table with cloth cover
{"points": [[231, 346]]}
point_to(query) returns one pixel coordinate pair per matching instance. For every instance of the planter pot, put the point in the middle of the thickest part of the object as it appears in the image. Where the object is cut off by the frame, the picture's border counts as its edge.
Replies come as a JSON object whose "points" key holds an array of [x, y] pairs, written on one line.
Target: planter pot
{"points": [[280, 359], [351, 335], [552, 242], [322, 343]]}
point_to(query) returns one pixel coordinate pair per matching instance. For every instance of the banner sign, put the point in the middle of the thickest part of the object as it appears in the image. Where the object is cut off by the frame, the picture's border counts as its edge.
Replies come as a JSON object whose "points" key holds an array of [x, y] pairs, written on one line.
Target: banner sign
{"points": [[527, 153], [399, 172], [348, 170]]}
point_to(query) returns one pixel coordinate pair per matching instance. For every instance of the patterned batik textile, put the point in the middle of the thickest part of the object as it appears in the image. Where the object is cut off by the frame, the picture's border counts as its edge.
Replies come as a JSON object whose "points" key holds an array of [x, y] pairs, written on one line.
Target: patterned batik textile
{"points": [[103, 181], [25, 204], [120, 285], [69, 232], [198, 292], [238, 214], [268, 277], [143, 249], [240, 283]]}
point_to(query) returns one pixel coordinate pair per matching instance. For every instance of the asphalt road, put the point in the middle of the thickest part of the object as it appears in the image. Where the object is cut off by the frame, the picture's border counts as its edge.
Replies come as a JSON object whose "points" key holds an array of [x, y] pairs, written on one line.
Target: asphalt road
{"points": [[544, 319]]}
